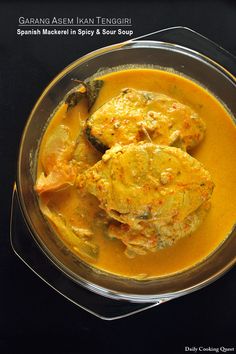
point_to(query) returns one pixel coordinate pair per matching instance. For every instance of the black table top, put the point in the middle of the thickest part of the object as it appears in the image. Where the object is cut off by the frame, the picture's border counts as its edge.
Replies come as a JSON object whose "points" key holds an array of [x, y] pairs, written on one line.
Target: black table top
{"points": [[33, 317]]}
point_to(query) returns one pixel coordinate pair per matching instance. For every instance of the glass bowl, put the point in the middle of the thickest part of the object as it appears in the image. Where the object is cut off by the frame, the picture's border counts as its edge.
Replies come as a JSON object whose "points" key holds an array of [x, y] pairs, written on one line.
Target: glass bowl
{"points": [[182, 50]]}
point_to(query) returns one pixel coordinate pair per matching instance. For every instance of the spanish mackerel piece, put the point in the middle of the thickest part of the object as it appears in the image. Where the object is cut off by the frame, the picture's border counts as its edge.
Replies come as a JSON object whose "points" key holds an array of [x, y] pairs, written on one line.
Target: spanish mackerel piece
{"points": [[135, 116], [154, 190]]}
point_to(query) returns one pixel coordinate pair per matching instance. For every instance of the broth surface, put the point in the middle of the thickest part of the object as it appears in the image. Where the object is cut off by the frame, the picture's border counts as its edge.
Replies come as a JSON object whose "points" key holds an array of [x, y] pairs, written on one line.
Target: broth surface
{"points": [[217, 152]]}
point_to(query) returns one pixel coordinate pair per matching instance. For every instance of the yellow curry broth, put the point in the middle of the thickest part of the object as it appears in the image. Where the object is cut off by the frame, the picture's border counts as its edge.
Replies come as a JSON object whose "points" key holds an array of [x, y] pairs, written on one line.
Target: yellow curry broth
{"points": [[217, 152]]}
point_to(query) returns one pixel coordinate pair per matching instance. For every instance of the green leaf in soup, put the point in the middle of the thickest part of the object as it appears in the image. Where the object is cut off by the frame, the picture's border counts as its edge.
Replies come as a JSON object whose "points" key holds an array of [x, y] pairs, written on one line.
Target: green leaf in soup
{"points": [[73, 99], [91, 92], [93, 89]]}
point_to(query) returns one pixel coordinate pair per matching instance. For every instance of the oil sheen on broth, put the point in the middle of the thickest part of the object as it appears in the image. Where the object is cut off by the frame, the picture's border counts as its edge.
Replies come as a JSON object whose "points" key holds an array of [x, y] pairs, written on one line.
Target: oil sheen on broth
{"points": [[69, 205]]}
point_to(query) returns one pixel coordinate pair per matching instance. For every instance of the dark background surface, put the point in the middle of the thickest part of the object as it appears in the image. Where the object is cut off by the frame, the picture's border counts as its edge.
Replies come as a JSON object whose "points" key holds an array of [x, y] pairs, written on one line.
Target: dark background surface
{"points": [[33, 317]]}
